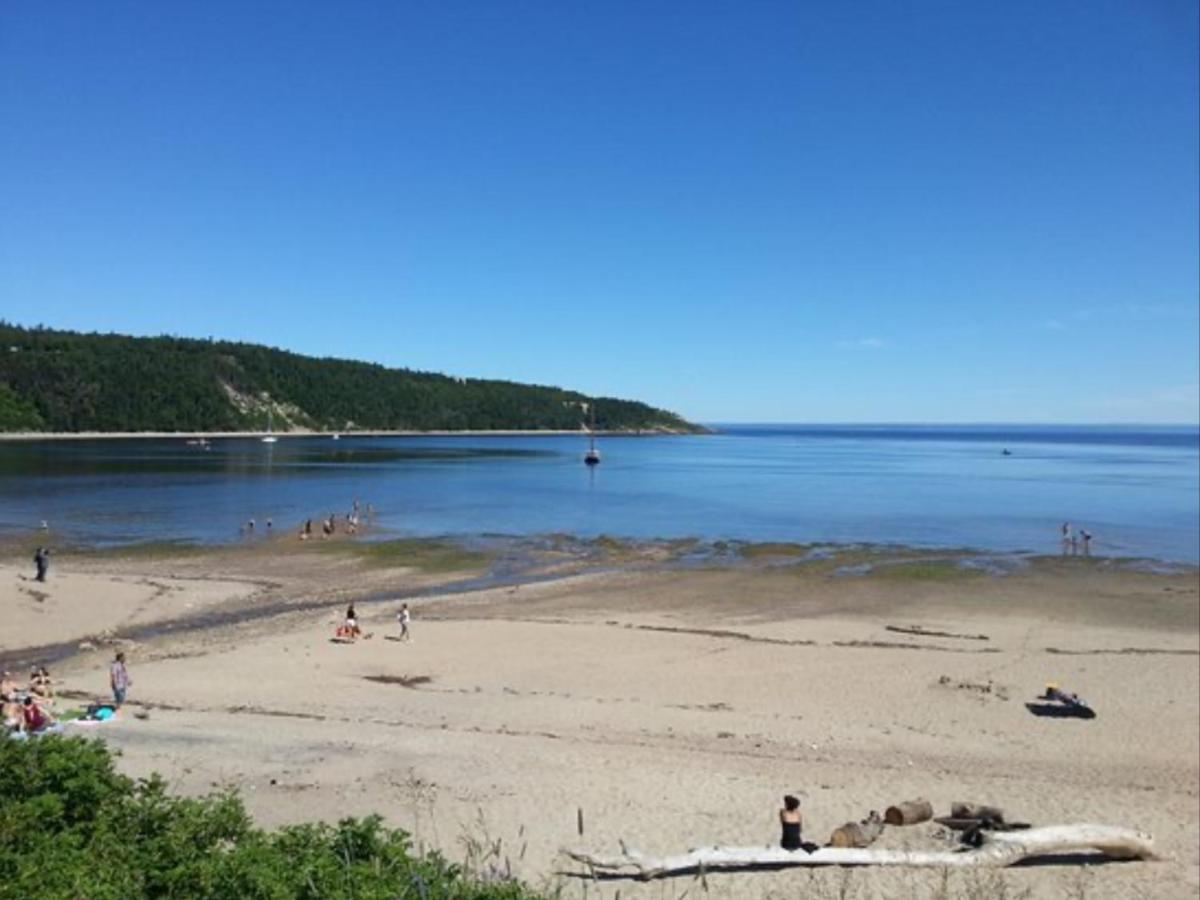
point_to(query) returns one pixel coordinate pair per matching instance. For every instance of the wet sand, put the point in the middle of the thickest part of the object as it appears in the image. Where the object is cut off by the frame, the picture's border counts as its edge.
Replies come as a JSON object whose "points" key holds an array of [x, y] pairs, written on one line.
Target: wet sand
{"points": [[664, 697]]}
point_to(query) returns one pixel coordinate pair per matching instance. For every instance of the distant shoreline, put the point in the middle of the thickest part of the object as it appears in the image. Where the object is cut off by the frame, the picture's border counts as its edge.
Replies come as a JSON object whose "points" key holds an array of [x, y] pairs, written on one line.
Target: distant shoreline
{"points": [[283, 435]]}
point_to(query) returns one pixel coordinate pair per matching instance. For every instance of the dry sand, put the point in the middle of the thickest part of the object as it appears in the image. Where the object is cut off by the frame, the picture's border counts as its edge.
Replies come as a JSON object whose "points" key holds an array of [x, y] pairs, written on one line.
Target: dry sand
{"points": [[672, 706]]}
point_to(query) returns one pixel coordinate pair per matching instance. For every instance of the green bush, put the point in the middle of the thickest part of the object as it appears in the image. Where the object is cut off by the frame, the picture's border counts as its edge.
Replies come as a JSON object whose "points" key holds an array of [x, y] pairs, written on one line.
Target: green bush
{"points": [[72, 826]]}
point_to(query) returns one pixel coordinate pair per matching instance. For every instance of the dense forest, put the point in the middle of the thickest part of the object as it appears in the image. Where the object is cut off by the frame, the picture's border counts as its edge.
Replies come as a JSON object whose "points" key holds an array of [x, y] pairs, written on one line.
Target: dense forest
{"points": [[62, 381]]}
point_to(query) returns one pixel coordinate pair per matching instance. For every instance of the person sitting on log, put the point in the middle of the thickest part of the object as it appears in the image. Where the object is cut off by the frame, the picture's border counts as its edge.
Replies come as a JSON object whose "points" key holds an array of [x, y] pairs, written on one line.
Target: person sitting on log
{"points": [[790, 820]]}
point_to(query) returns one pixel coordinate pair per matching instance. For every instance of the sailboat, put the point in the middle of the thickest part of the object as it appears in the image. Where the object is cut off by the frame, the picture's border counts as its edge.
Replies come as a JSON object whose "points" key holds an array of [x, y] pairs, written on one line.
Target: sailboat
{"points": [[592, 457], [269, 437]]}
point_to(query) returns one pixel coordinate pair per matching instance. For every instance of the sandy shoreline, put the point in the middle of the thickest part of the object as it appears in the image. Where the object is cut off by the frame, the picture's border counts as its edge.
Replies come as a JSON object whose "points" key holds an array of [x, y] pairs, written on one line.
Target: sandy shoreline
{"points": [[671, 704]]}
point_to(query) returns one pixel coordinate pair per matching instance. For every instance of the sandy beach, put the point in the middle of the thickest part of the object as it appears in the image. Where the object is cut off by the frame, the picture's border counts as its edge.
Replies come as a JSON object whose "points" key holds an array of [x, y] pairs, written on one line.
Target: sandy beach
{"points": [[653, 698]]}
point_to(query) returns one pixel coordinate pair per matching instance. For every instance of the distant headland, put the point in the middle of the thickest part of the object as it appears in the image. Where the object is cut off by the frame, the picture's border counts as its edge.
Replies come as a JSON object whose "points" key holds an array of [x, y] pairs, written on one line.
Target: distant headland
{"points": [[63, 383]]}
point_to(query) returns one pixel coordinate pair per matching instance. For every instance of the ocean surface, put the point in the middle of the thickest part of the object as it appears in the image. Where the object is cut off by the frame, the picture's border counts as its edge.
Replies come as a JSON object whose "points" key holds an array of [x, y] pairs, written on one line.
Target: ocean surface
{"points": [[1136, 489]]}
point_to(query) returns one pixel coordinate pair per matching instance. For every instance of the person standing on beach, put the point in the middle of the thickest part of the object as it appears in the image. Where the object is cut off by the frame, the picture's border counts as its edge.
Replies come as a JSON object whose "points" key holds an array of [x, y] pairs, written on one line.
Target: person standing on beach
{"points": [[1087, 541], [41, 559], [118, 678], [1066, 537], [404, 617]]}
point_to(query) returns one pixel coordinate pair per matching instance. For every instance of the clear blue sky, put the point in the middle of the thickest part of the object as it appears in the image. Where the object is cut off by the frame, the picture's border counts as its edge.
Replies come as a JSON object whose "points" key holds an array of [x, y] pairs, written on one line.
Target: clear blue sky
{"points": [[750, 211]]}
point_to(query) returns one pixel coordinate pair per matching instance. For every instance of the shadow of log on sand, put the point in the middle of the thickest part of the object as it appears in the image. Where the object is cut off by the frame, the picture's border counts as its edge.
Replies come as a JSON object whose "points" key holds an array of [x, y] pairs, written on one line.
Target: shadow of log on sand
{"points": [[408, 681]]}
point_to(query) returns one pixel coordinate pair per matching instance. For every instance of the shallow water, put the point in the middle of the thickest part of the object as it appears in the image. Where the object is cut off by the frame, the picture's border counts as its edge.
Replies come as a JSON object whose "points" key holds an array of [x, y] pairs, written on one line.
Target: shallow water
{"points": [[1136, 489]]}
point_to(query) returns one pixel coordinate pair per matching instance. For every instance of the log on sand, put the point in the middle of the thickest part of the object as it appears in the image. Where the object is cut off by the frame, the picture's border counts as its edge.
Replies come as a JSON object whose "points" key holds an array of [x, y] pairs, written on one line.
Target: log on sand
{"points": [[858, 834], [910, 812], [998, 850]]}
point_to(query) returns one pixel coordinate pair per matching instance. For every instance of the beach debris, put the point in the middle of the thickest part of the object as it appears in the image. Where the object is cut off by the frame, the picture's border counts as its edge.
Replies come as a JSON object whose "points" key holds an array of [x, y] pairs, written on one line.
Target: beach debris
{"points": [[1061, 705], [996, 850], [926, 632], [858, 834], [961, 810], [985, 689], [910, 812], [971, 818]]}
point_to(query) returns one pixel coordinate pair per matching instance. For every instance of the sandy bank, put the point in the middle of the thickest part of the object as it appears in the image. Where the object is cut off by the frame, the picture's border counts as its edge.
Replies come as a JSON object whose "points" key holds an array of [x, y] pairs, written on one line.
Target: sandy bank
{"points": [[675, 707]]}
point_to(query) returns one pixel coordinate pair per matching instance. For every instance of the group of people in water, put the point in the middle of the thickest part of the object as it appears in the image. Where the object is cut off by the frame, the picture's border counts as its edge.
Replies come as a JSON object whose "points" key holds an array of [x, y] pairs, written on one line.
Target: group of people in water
{"points": [[347, 523], [350, 523], [1076, 543]]}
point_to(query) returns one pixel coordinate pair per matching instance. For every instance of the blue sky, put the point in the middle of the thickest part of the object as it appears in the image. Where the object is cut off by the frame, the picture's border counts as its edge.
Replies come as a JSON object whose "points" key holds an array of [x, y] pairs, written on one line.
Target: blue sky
{"points": [[741, 212]]}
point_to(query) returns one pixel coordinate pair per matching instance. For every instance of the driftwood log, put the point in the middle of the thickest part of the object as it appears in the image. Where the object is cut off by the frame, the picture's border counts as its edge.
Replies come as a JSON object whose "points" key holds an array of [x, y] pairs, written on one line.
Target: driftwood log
{"points": [[858, 834], [998, 850], [910, 812]]}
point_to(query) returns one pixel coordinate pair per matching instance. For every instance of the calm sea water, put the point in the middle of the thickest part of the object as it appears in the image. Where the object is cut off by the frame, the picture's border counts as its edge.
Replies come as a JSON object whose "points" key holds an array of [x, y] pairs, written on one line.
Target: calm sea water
{"points": [[1136, 489]]}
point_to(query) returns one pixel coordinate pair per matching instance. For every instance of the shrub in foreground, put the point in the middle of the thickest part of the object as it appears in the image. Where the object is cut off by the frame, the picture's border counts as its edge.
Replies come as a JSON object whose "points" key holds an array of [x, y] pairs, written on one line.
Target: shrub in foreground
{"points": [[72, 826]]}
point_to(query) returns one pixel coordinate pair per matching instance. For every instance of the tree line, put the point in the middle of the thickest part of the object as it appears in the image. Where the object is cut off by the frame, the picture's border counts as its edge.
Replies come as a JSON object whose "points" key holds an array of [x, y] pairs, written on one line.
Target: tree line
{"points": [[63, 381]]}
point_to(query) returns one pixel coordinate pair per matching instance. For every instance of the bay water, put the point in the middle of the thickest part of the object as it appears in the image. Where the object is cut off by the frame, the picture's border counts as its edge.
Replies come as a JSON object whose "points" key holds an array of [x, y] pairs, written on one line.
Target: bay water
{"points": [[993, 487]]}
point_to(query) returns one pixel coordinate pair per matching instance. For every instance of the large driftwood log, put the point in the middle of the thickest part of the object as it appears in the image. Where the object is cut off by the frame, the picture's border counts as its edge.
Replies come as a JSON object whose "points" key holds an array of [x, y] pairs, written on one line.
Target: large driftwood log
{"points": [[858, 834], [910, 812], [999, 849]]}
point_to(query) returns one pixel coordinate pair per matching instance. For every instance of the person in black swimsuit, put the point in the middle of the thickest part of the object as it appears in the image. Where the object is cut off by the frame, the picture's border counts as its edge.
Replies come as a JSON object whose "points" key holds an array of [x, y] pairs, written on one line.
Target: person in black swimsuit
{"points": [[789, 819]]}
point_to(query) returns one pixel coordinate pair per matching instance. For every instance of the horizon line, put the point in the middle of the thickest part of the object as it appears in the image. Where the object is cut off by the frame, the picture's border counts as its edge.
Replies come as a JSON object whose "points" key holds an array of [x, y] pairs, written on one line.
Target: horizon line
{"points": [[949, 424]]}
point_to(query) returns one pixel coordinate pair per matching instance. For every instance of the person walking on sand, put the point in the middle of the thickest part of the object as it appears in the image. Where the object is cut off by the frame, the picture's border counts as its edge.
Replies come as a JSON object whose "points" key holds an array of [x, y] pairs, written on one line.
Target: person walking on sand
{"points": [[404, 617], [118, 678]]}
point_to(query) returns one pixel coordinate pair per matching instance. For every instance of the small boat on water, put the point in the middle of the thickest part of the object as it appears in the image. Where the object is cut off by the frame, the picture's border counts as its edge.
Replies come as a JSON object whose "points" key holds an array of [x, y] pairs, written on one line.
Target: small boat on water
{"points": [[269, 437], [592, 457]]}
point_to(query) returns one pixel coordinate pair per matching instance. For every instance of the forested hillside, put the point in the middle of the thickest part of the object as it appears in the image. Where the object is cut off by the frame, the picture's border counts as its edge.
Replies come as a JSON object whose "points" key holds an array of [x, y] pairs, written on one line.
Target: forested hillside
{"points": [[62, 381]]}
